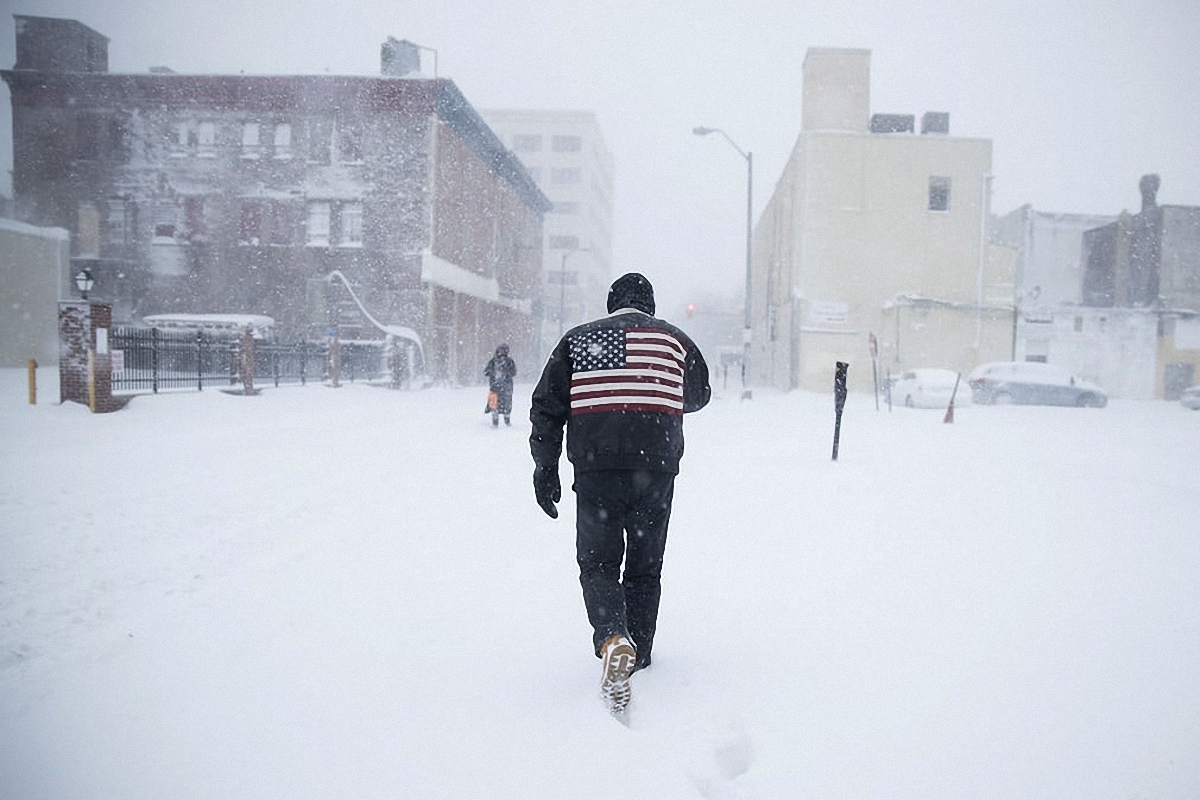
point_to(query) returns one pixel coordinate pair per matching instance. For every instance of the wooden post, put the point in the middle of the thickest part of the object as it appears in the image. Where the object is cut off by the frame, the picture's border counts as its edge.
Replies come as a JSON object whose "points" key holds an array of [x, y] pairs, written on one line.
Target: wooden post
{"points": [[91, 379], [32, 382]]}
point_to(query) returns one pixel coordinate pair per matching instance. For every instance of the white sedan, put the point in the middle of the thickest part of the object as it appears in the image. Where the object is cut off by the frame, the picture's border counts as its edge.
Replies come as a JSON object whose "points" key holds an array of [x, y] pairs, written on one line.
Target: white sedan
{"points": [[929, 388]]}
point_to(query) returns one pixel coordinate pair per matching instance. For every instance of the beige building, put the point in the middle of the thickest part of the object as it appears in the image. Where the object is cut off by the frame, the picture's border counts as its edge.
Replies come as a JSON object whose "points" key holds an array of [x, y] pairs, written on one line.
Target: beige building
{"points": [[874, 228], [565, 153], [35, 267]]}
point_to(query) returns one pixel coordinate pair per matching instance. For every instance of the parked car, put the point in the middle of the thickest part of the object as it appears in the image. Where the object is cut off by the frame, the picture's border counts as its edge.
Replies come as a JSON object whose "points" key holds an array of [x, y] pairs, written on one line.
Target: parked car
{"points": [[928, 387], [1190, 398], [1032, 383]]}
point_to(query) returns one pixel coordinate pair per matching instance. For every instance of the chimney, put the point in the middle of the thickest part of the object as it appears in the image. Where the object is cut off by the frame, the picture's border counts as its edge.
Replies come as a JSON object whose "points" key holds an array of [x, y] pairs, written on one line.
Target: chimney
{"points": [[837, 89], [399, 58], [49, 44], [1149, 187]]}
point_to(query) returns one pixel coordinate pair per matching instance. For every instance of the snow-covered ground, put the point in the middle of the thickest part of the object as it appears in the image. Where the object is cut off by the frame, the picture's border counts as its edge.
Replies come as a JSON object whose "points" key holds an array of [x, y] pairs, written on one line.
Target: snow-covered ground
{"points": [[350, 593]]}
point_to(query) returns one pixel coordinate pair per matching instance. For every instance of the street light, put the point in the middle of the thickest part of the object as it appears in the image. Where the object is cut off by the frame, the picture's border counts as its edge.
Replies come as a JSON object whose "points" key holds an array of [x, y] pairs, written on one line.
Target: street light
{"points": [[703, 131], [84, 281], [562, 285]]}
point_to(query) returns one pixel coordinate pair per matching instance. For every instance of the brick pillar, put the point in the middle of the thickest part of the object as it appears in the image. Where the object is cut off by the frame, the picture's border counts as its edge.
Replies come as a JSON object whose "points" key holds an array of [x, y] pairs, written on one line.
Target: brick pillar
{"points": [[85, 328]]}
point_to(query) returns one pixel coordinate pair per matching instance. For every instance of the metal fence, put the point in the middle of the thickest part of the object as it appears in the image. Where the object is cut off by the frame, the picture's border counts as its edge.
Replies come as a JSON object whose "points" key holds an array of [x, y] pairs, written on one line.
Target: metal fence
{"points": [[154, 360]]}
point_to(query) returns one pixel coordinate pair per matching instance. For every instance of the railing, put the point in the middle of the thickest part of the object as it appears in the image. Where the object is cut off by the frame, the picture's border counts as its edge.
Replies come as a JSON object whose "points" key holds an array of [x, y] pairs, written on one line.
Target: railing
{"points": [[155, 360]]}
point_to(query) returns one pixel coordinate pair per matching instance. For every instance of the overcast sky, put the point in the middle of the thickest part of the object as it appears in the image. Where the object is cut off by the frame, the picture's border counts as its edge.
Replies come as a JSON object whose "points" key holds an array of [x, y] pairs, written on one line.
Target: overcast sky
{"points": [[1080, 97]]}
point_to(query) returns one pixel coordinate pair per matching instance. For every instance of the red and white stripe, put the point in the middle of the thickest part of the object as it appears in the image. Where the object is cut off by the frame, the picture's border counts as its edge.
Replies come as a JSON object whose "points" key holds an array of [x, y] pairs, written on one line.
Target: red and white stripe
{"points": [[651, 380]]}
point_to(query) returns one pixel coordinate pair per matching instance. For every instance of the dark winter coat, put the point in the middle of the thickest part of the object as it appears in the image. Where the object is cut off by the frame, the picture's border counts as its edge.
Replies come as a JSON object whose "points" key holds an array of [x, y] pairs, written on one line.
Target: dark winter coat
{"points": [[620, 385], [500, 372]]}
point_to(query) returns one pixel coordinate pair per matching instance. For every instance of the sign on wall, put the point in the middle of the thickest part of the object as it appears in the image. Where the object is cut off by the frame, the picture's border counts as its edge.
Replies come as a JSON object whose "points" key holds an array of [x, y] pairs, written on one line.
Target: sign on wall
{"points": [[829, 313]]}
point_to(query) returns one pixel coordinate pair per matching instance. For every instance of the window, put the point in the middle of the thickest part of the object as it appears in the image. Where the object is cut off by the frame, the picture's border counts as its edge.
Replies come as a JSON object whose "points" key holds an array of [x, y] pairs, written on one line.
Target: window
{"points": [[318, 224], [939, 193], [564, 242], [166, 221], [193, 219], [87, 137], [566, 144], [319, 135], [565, 208], [116, 223], [250, 140], [250, 229], [87, 234], [351, 224], [564, 175], [527, 143], [283, 141], [206, 139], [349, 146]]}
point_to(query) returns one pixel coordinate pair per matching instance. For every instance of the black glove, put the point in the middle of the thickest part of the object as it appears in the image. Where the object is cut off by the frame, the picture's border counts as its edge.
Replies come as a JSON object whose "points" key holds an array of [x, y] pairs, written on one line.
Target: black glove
{"points": [[547, 489]]}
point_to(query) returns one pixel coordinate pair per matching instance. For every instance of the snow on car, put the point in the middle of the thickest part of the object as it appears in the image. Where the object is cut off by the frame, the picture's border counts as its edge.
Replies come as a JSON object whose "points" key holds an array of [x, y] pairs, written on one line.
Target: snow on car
{"points": [[928, 387], [1032, 383]]}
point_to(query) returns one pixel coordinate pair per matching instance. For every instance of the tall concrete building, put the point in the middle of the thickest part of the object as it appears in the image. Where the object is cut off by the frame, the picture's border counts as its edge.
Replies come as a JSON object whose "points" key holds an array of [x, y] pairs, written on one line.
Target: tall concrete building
{"points": [[875, 229], [250, 193], [566, 154]]}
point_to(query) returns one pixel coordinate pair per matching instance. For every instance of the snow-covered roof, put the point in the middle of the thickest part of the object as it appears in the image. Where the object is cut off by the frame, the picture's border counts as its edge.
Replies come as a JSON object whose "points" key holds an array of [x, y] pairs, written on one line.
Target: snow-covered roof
{"points": [[34, 230], [228, 322]]}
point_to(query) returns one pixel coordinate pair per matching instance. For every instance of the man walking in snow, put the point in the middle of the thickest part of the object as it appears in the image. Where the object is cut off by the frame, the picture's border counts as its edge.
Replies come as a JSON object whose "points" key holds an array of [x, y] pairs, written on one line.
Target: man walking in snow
{"points": [[620, 385], [500, 372]]}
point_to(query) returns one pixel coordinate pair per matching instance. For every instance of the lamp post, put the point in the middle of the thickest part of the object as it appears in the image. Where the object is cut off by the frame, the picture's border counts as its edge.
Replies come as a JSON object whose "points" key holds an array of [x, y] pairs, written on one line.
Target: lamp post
{"points": [[562, 285], [703, 131], [84, 281]]}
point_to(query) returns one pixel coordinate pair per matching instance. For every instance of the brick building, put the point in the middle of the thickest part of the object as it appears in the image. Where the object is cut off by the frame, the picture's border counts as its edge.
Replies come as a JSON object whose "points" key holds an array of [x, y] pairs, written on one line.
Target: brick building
{"points": [[243, 194]]}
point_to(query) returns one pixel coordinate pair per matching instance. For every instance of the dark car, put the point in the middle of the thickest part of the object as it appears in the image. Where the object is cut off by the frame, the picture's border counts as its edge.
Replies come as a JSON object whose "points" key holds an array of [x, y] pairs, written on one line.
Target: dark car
{"points": [[1032, 383]]}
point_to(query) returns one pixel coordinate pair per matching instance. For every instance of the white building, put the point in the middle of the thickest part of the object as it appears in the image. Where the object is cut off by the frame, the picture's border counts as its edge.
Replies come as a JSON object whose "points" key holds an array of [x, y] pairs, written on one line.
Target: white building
{"points": [[35, 273], [1049, 274], [566, 154], [875, 229]]}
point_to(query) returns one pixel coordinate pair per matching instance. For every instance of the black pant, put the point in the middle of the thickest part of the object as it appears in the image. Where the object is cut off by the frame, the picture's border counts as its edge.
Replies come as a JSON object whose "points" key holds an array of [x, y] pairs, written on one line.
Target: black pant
{"points": [[503, 399], [609, 505]]}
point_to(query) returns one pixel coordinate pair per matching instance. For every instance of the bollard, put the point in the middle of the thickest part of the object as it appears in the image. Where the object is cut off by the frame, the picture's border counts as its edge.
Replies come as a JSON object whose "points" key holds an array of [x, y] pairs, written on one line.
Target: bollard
{"points": [[91, 380], [32, 382], [839, 401]]}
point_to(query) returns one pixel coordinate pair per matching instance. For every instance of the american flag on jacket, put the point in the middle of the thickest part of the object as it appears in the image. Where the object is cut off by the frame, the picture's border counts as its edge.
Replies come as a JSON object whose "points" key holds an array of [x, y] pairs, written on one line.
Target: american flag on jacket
{"points": [[626, 369]]}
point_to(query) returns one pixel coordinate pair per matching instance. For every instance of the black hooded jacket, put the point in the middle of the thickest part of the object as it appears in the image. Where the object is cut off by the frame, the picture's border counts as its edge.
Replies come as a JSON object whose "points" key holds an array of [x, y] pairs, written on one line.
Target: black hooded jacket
{"points": [[620, 385]]}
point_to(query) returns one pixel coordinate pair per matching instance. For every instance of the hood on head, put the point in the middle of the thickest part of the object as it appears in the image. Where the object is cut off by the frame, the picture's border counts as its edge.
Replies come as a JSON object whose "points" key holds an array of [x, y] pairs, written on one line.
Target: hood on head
{"points": [[631, 290]]}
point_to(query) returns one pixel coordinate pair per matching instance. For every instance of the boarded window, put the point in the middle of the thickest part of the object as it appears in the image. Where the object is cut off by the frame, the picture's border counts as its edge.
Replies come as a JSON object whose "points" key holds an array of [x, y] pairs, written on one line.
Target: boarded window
{"points": [[319, 135], [564, 242], [527, 142], [564, 175], [87, 137], [939, 193], [566, 144]]}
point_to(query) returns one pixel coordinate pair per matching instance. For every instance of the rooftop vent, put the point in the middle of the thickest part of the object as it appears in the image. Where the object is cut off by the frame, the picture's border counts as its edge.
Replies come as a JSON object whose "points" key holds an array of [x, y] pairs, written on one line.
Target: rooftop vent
{"points": [[935, 122], [892, 123]]}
